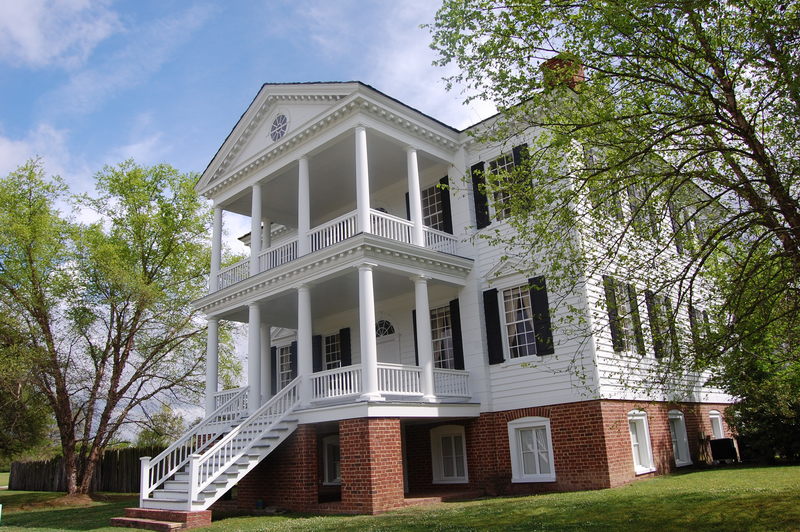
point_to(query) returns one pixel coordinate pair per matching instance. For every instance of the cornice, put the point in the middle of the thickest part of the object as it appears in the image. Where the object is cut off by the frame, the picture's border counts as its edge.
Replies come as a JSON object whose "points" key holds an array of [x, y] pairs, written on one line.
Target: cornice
{"points": [[221, 180], [362, 247]]}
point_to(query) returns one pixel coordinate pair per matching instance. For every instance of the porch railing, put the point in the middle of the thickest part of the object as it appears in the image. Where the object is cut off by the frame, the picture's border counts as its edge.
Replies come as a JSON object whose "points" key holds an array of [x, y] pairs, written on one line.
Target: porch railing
{"points": [[440, 241], [451, 382], [236, 410], [390, 227], [393, 379], [333, 232], [275, 256], [339, 382], [336, 230], [233, 274]]}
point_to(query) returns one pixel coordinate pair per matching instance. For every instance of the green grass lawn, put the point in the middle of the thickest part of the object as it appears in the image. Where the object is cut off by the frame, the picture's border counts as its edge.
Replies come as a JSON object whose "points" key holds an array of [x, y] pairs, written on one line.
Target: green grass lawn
{"points": [[726, 499], [4, 478]]}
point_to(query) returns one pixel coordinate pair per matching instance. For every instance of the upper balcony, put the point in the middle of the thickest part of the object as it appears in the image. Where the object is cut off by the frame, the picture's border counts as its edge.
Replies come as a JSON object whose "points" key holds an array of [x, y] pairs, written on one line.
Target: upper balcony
{"points": [[329, 233], [359, 182]]}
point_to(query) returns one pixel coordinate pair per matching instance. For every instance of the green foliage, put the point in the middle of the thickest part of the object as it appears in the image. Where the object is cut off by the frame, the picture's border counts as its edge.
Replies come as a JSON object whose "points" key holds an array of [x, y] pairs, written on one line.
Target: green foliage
{"points": [[103, 310], [674, 166], [161, 429]]}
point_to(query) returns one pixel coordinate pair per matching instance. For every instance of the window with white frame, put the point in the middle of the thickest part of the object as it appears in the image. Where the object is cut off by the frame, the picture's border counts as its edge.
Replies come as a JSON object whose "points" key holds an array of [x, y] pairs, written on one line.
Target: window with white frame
{"points": [[518, 317], [500, 165], [331, 460], [640, 442], [432, 211], [531, 446], [333, 351], [716, 424], [284, 366], [624, 319], [680, 443], [442, 334], [449, 455]]}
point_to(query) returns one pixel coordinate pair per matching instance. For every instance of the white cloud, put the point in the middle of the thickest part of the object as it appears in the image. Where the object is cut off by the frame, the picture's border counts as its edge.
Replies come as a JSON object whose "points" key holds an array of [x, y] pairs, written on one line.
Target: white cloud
{"points": [[386, 48], [147, 51], [38, 33]]}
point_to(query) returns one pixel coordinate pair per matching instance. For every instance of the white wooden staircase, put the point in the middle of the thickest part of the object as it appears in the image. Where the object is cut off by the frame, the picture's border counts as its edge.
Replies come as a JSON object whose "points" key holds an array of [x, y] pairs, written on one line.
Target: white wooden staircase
{"points": [[203, 464]]}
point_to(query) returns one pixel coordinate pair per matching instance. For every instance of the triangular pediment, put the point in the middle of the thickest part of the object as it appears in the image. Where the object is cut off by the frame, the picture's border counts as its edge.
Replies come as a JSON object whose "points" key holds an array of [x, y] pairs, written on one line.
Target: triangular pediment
{"points": [[274, 114]]}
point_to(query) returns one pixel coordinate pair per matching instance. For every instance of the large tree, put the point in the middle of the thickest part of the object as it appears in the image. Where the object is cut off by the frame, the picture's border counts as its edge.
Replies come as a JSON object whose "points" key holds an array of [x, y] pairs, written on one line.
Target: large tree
{"points": [[104, 308], [666, 137]]}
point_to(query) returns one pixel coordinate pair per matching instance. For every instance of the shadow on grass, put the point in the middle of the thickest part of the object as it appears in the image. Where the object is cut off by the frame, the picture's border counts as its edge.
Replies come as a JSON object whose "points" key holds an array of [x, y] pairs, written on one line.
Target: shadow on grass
{"points": [[30, 510]]}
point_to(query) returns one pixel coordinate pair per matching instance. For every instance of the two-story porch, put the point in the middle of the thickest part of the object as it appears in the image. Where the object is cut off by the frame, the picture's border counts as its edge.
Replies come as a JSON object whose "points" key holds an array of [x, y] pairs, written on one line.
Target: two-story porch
{"points": [[312, 255]]}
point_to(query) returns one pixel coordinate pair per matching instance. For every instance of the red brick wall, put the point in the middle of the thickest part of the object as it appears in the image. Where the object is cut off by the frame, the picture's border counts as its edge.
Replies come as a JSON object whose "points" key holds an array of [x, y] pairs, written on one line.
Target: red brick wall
{"points": [[287, 478], [371, 464], [591, 446]]}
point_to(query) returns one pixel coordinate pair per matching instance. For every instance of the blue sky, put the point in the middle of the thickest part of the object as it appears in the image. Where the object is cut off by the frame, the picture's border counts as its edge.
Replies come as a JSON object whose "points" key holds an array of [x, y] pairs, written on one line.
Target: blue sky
{"points": [[86, 83]]}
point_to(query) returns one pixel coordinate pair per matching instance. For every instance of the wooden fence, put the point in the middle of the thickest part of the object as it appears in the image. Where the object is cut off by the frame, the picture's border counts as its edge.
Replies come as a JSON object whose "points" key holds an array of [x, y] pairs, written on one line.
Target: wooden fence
{"points": [[118, 471]]}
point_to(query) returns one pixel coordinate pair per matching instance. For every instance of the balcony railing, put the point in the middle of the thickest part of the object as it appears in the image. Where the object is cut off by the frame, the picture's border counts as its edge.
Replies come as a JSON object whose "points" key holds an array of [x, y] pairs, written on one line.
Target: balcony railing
{"points": [[393, 379], [333, 232]]}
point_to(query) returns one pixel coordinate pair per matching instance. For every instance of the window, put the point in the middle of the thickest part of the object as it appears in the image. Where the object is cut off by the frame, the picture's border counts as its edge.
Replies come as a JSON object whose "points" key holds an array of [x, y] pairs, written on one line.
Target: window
{"points": [[383, 328], [643, 216], [699, 324], [716, 425], [432, 209], [279, 127], [442, 334], [640, 442], [520, 336], [501, 166], [680, 443], [623, 314], [333, 351], [331, 460], [284, 366], [449, 455], [531, 448], [662, 325]]}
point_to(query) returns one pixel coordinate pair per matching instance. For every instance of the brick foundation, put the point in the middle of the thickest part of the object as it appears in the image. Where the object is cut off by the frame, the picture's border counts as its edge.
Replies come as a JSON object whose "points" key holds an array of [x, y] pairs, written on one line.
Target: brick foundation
{"points": [[591, 450]]}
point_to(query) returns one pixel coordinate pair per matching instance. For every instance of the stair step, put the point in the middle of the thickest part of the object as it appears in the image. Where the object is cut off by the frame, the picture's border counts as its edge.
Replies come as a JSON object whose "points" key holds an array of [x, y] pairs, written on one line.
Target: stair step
{"points": [[147, 524], [165, 504], [170, 495]]}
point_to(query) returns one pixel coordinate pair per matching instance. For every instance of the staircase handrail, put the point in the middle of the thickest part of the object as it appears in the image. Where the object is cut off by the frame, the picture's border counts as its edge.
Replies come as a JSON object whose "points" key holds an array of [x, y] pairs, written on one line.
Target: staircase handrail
{"points": [[157, 470], [204, 469]]}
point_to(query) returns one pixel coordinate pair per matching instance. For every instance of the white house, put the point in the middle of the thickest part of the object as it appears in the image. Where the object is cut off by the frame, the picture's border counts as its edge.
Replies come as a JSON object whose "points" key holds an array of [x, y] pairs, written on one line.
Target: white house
{"points": [[388, 353]]}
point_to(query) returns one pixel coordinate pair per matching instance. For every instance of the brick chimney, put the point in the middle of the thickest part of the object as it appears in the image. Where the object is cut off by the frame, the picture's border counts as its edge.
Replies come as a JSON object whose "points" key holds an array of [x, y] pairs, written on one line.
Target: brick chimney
{"points": [[563, 69]]}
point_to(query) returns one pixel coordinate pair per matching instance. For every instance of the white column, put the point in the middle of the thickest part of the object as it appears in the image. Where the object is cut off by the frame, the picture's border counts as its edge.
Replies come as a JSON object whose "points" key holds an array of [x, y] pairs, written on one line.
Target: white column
{"points": [[266, 233], [414, 197], [212, 363], [424, 337], [255, 229], [216, 249], [305, 363], [266, 363], [362, 181], [303, 207], [366, 325], [254, 358]]}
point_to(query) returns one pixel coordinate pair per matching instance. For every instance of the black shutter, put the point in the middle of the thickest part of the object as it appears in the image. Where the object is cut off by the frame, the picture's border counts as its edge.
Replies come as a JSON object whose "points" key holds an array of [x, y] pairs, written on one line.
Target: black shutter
{"points": [[655, 329], [444, 197], [316, 352], [519, 154], [293, 359], [458, 344], [494, 338], [479, 198], [673, 330], [408, 207], [617, 339], [636, 319], [273, 353], [416, 347], [541, 316], [344, 346]]}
